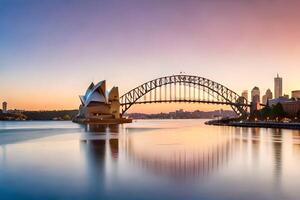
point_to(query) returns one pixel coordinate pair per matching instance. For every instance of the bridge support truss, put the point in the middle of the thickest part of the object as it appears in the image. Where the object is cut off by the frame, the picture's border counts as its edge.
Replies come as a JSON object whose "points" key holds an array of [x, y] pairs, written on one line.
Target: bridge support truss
{"points": [[184, 88]]}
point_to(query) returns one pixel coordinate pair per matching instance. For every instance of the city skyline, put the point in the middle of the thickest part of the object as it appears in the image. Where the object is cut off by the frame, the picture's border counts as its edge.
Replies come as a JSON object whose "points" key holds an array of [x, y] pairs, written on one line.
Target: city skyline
{"points": [[256, 96], [50, 51]]}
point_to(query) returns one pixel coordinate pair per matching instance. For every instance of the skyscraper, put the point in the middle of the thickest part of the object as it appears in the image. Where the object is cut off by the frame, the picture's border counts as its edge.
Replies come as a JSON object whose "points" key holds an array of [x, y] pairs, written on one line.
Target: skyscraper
{"points": [[4, 107], [267, 96], [245, 94], [255, 95], [278, 86], [255, 100]]}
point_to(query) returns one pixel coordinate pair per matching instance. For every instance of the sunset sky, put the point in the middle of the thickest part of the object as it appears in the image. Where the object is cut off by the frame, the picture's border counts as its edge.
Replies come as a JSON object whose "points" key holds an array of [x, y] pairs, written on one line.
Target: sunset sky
{"points": [[50, 50]]}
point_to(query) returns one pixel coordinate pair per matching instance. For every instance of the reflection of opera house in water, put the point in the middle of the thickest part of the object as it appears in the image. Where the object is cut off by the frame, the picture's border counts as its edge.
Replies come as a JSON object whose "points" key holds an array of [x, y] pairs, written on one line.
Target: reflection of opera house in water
{"points": [[187, 159]]}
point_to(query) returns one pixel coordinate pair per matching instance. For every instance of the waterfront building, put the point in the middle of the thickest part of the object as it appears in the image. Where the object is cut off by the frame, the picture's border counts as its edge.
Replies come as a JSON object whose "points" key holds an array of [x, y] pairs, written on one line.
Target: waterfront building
{"points": [[180, 111], [97, 103], [268, 95], [296, 94], [16, 111], [275, 101], [255, 95], [4, 107], [245, 94], [278, 86], [291, 107]]}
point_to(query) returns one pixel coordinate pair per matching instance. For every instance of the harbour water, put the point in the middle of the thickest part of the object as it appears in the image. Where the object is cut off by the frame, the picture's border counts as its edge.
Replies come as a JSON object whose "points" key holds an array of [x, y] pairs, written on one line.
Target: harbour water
{"points": [[148, 159]]}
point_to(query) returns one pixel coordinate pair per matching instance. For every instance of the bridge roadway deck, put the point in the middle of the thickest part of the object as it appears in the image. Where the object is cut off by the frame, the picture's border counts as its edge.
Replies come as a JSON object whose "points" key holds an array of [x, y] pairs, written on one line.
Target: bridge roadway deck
{"points": [[186, 101]]}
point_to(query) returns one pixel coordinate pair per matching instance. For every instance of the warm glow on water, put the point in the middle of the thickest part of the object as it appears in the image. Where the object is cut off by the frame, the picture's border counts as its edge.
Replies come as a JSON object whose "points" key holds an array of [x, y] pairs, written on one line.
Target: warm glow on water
{"points": [[148, 159]]}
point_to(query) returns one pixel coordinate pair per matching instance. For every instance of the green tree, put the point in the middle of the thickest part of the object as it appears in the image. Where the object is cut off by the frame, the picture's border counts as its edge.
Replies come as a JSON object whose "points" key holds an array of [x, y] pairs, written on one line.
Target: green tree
{"points": [[66, 117], [298, 115], [255, 115], [278, 112], [266, 112]]}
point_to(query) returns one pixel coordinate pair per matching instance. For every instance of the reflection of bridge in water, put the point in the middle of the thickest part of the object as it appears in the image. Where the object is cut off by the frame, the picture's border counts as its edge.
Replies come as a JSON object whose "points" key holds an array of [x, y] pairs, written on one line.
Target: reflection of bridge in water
{"points": [[181, 163], [175, 161], [117, 150], [184, 88]]}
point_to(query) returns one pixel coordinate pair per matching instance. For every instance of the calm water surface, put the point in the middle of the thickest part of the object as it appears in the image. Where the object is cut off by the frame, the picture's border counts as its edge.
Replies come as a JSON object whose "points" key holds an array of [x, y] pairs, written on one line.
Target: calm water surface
{"points": [[148, 159]]}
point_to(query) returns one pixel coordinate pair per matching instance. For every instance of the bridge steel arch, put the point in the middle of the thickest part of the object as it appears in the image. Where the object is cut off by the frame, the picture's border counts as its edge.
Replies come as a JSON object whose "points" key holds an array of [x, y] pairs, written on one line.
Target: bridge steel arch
{"points": [[204, 91]]}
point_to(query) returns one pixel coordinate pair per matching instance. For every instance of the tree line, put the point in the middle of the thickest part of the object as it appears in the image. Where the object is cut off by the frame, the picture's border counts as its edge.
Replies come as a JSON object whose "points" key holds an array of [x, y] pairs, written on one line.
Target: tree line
{"points": [[40, 115], [275, 113]]}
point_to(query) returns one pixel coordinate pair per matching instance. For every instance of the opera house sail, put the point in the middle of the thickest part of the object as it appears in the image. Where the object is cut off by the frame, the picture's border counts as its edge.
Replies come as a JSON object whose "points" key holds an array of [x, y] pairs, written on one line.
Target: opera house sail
{"points": [[98, 104]]}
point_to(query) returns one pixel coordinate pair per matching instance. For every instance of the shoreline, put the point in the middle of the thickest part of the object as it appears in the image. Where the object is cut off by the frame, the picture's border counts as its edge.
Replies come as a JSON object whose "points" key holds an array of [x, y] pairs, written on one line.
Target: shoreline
{"points": [[102, 121], [280, 125]]}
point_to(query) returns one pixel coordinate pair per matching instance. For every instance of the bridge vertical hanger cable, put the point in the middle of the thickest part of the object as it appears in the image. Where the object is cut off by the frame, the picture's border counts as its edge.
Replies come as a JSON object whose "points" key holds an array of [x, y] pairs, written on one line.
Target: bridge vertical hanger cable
{"points": [[150, 95], [199, 92], [175, 92], [179, 90], [208, 94], [160, 93], [155, 94], [203, 93], [165, 92], [194, 90], [170, 91], [189, 85], [184, 91]]}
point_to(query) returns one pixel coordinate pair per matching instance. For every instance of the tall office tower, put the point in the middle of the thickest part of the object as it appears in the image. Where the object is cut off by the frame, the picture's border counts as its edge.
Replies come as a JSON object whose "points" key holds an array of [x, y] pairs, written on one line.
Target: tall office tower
{"points": [[278, 86], [255, 100], [267, 96], [245, 94], [255, 95], [4, 107]]}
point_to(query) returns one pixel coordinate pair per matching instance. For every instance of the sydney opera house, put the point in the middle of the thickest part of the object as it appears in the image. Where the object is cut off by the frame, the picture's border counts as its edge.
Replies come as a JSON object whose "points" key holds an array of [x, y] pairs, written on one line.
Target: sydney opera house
{"points": [[98, 104]]}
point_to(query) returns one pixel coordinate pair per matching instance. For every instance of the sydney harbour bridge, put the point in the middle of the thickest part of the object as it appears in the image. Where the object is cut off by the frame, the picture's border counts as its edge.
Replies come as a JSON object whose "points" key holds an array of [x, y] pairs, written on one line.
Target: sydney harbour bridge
{"points": [[186, 89]]}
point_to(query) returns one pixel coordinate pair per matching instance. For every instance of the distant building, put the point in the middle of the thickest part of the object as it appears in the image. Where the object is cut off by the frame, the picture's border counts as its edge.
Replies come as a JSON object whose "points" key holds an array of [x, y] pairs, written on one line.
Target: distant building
{"points": [[255, 95], [255, 106], [16, 111], [268, 95], [291, 107], [245, 94], [278, 86], [4, 107], [180, 111], [255, 100], [264, 99], [281, 100], [296, 94]]}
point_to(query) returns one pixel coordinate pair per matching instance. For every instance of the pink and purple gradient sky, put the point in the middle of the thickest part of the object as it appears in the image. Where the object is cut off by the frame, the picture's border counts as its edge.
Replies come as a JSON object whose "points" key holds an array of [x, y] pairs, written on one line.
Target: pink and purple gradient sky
{"points": [[51, 50]]}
